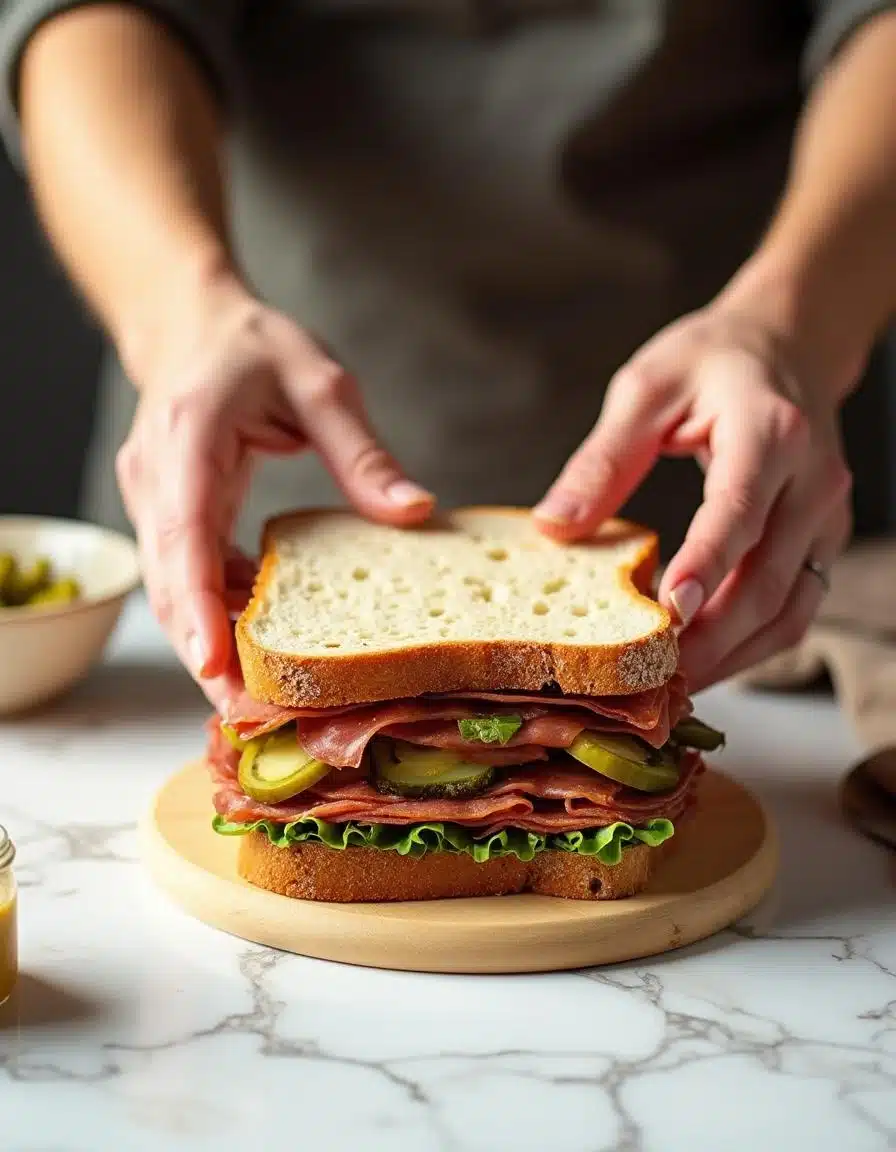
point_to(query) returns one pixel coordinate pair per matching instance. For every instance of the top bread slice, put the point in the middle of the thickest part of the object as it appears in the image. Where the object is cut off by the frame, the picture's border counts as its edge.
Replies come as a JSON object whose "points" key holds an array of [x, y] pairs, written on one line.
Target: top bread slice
{"points": [[345, 611]]}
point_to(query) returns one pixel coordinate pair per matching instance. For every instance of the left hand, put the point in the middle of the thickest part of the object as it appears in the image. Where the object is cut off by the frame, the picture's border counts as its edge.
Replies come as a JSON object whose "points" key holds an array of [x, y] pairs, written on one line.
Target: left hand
{"points": [[727, 389]]}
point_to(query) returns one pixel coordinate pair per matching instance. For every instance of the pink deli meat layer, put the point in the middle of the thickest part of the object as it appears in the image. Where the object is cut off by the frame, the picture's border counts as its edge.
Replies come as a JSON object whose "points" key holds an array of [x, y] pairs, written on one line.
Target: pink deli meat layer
{"points": [[554, 797], [339, 736]]}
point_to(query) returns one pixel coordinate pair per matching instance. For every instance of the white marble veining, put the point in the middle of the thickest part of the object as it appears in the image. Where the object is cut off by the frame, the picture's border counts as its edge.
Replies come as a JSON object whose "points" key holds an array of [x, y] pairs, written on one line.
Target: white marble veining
{"points": [[137, 1029]]}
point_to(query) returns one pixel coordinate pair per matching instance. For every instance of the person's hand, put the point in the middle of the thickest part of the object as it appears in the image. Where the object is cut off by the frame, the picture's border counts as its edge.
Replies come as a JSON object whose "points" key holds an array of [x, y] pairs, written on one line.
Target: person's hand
{"points": [[726, 389], [232, 380]]}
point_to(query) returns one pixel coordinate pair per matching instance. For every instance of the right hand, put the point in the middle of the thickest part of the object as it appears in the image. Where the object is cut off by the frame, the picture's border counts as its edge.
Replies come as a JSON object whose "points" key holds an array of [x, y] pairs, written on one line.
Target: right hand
{"points": [[232, 379]]}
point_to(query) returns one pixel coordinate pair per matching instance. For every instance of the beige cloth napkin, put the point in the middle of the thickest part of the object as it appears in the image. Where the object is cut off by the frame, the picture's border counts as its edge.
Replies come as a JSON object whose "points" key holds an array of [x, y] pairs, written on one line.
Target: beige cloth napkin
{"points": [[854, 640]]}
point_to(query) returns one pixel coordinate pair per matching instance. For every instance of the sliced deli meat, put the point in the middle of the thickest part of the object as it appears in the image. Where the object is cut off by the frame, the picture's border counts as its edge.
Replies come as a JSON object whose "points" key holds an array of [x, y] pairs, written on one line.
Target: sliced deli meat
{"points": [[548, 730], [339, 736], [535, 798], [342, 739], [649, 713], [642, 710], [250, 718]]}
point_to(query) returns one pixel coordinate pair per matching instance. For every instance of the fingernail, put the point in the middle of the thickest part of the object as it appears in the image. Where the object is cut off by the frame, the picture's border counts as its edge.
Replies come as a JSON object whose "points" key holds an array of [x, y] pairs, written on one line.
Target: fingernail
{"points": [[560, 509], [687, 599], [406, 494], [198, 656]]}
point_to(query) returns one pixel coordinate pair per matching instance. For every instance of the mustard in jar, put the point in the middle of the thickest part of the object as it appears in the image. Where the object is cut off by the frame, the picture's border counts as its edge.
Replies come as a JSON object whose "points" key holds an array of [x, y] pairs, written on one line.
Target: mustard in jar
{"points": [[9, 954]]}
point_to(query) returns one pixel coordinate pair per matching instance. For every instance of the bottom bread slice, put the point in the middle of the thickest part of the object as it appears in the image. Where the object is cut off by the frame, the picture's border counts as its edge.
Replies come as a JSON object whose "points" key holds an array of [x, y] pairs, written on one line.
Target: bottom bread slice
{"points": [[355, 875]]}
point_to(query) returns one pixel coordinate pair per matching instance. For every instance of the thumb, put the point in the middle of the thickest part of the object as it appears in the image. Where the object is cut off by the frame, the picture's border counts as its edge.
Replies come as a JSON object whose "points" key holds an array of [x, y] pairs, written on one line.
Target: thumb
{"points": [[329, 404], [610, 464]]}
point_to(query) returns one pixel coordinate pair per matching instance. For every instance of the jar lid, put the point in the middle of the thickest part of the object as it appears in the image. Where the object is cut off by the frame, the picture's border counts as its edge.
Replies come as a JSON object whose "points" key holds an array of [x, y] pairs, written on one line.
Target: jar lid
{"points": [[7, 849]]}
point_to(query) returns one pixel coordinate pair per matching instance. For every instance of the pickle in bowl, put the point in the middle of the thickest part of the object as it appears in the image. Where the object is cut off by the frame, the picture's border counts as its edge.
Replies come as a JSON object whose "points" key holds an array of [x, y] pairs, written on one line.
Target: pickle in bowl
{"points": [[34, 585]]}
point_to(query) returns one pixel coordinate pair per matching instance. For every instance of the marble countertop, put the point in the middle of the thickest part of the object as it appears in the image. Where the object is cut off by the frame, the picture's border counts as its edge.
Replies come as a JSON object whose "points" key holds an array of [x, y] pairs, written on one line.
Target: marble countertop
{"points": [[138, 1029]]}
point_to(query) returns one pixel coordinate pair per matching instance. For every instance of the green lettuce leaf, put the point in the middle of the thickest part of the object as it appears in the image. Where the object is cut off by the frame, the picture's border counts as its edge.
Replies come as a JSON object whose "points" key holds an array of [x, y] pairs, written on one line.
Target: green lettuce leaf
{"points": [[490, 729], [415, 840]]}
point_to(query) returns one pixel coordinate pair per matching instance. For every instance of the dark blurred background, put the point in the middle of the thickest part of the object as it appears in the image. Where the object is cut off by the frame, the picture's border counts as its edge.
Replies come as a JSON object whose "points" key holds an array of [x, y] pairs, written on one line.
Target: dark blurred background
{"points": [[50, 360]]}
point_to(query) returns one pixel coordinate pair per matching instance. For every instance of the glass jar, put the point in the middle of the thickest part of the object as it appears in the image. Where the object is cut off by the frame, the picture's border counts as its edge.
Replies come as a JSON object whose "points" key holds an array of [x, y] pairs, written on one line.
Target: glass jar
{"points": [[9, 953]]}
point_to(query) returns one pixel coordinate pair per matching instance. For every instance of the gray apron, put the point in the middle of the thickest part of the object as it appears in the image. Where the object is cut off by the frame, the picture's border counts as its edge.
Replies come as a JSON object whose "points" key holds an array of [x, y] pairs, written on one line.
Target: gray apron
{"points": [[485, 213]]}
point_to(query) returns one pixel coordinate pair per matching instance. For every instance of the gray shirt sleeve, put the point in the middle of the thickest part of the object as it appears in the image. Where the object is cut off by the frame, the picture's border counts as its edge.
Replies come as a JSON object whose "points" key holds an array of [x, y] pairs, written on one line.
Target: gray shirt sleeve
{"points": [[835, 21], [208, 27]]}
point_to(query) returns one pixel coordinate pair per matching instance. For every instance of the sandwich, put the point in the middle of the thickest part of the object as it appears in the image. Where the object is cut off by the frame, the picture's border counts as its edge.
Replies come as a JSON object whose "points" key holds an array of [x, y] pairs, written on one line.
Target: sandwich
{"points": [[463, 709]]}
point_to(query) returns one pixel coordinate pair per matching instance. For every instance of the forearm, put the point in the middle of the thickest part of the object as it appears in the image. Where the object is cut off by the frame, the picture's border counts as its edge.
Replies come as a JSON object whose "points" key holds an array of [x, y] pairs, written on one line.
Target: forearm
{"points": [[826, 270], [122, 138]]}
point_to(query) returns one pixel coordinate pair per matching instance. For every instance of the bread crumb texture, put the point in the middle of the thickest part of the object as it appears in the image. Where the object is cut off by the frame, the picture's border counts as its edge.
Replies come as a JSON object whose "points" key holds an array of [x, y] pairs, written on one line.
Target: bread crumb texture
{"points": [[340, 586]]}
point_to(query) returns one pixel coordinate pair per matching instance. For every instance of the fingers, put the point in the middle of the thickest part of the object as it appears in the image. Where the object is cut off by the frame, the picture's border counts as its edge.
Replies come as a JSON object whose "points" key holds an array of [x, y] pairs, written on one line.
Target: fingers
{"points": [[758, 591], [788, 628], [184, 470], [614, 459], [757, 442], [332, 414], [609, 465], [775, 485], [175, 502], [188, 530]]}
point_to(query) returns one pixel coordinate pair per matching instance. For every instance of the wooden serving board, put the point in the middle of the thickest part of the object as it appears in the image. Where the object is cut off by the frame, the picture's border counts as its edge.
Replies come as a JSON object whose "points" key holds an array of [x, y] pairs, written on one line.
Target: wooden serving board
{"points": [[724, 862]]}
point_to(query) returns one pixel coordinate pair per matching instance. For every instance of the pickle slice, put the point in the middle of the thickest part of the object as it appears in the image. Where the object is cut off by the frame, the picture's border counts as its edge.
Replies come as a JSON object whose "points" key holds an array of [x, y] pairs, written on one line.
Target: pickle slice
{"points": [[21, 584], [625, 760], [232, 738], [693, 733], [275, 768], [34, 585], [62, 591], [406, 770]]}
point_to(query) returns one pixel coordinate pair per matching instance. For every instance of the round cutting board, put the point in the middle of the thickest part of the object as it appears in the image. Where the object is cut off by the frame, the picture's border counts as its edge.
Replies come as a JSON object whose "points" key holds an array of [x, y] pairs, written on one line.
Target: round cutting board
{"points": [[724, 862]]}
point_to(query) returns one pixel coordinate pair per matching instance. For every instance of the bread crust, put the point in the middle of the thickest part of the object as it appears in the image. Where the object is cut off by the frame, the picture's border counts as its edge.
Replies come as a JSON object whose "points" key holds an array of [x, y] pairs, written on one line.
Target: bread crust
{"points": [[300, 681], [371, 875]]}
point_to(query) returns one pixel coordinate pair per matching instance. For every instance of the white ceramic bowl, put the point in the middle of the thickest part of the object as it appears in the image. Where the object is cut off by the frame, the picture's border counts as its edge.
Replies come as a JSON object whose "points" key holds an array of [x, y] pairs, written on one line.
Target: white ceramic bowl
{"points": [[44, 651]]}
